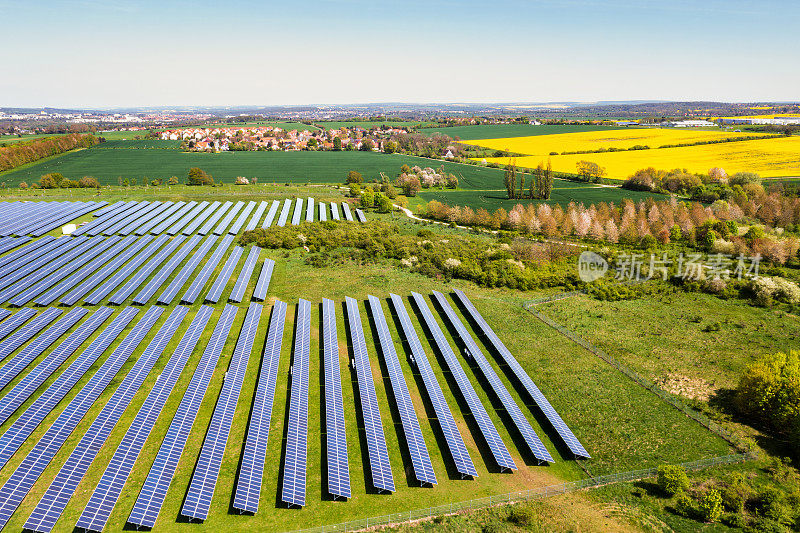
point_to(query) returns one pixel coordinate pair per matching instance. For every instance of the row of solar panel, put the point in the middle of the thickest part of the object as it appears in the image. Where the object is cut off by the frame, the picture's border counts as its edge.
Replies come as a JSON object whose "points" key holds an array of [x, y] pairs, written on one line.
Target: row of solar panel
{"points": [[37, 218], [14, 332], [202, 218], [67, 270]]}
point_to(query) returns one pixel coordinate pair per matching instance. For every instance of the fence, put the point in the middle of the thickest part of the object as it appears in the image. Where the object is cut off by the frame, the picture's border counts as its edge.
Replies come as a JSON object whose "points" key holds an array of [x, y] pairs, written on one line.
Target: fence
{"points": [[538, 493]]}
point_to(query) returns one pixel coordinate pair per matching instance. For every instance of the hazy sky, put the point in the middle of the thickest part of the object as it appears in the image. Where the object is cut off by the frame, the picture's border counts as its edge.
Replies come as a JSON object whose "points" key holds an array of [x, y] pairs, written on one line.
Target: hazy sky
{"points": [[97, 53]]}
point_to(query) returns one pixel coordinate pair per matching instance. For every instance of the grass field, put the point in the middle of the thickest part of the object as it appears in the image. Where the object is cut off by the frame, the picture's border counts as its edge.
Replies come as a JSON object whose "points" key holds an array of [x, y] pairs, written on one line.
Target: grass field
{"points": [[334, 124], [777, 157], [623, 425], [498, 131], [542, 145]]}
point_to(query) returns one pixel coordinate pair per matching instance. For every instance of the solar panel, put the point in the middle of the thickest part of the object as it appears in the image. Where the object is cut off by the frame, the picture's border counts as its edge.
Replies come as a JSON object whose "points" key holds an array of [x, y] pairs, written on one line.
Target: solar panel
{"points": [[373, 427], [210, 265], [485, 424], [30, 419], [206, 228], [346, 210], [335, 434], [522, 425], [298, 212], [323, 212], [28, 472], [273, 209], [248, 487], [4, 313], [455, 442], [293, 491], [225, 222], [116, 280], [143, 273], [173, 220], [9, 243], [310, 210], [154, 490], [287, 204], [36, 347], [128, 226], [55, 499], [233, 230], [178, 281], [201, 489], [262, 285], [417, 449], [221, 282], [15, 321], [23, 278], [201, 216], [262, 206], [335, 211], [541, 402], [239, 288], [96, 513], [30, 252], [172, 209], [27, 332], [360, 216]]}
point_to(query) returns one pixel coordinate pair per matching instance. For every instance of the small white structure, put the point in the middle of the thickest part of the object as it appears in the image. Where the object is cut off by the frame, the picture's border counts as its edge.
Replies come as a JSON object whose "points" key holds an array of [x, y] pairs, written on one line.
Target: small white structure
{"points": [[68, 229]]}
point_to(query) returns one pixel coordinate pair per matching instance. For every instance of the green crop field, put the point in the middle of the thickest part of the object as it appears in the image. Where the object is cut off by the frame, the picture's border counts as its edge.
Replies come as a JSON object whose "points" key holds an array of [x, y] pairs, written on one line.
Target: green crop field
{"points": [[501, 131], [335, 124]]}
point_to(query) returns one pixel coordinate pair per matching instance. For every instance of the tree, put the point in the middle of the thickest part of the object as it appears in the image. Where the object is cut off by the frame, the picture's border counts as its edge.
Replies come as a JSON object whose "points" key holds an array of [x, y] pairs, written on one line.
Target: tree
{"points": [[198, 176], [312, 143], [389, 147], [23, 185], [89, 182], [50, 181], [173, 180], [367, 197], [411, 186], [521, 185], [672, 479], [590, 171], [354, 177], [337, 144], [548, 180], [709, 505], [383, 204], [510, 179], [366, 145]]}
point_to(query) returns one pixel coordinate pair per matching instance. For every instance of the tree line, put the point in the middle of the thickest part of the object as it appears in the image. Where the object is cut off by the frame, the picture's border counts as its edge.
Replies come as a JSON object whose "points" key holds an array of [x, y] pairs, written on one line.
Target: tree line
{"points": [[27, 152]]}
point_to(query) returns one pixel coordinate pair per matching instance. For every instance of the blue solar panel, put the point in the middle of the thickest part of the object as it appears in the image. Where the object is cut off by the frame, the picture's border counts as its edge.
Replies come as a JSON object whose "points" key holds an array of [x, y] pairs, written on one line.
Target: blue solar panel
{"points": [[293, 491], [522, 425], [310, 210], [15, 321], [201, 489], [335, 434], [36, 347], [221, 282], [26, 332], [233, 230], [262, 285], [225, 222], [9, 243], [143, 273], [254, 220], [26, 276], [417, 449], [30, 419], [360, 215], [541, 402], [218, 214], [346, 210], [24, 255], [58, 494], [116, 280], [172, 221], [96, 513], [488, 430], [151, 497], [287, 204], [298, 212], [4, 313], [455, 442], [373, 427], [201, 278], [334, 211], [189, 267], [323, 212], [248, 487], [28, 472], [174, 208], [273, 209], [201, 216], [239, 288]]}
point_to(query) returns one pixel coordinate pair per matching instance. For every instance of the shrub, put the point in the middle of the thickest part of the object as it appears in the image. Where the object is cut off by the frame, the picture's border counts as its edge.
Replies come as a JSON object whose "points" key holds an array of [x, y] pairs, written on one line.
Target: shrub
{"points": [[771, 504], [173, 180], [522, 515], [89, 182], [672, 479], [709, 506], [197, 176], [23, 185], [367, 197], [684, 505], [383, 204], [354, 177], [51, 181]]}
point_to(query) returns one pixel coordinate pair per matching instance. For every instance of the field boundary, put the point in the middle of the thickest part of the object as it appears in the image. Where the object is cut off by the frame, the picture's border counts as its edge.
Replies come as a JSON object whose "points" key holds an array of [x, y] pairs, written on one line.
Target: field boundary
{"points": [[538, 493]]}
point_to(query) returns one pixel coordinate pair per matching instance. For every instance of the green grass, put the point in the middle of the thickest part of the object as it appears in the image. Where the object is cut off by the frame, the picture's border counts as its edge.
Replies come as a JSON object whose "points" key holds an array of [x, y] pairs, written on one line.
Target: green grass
{"points": [[334, 124], [119, 144], [500, 131]]}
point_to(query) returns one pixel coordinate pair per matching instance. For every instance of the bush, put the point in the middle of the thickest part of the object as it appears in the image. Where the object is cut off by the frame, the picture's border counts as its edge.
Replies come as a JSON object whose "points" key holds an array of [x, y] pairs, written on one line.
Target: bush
{"points": [[88, 182], [522, 515], [709, 506], [368, 198], [771, 504], [51, 181], [684, 505], [173, 180], [354, 177], [197, 176], [23, 185], [383, 204], [672, 479]]}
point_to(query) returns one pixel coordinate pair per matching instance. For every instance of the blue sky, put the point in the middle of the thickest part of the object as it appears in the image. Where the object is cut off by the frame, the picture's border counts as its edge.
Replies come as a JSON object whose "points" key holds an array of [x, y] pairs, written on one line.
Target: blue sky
{"points": [[95, 53]]}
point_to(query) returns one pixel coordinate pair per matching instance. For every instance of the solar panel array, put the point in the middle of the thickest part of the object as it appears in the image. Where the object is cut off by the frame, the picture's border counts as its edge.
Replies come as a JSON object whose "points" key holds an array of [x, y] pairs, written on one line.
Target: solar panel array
{"points": [[49, 509], [25, 333], [521, 423], [298, 212], [154, 490], [215, 292], [360, 215], [243, 280], [14, 321], [214, 218], [186, 271], [541, 402], [447, 424], [485, 424], [201, 489], [417, 449], [98, 509], [262, 285], [201, 278], [335, 434], [26, 474], [143, 273], [226, 220], [323, 212], [273, 210], [248, 487], [335, 211], [262, 206], [346, 210], [295, 455], [379, 465], [310, 210], [240, 220], [287, 204]]}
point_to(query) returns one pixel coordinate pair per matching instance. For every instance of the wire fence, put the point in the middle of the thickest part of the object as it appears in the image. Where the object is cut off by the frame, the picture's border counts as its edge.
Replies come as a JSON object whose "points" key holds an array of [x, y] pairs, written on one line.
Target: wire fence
{"points": [[538, 493]]}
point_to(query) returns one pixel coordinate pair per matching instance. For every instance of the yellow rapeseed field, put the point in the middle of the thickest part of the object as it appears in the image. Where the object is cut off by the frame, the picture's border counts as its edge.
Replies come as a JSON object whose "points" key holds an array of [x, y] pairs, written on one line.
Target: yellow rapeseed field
{"points": [[768, 157], [596, 140]]}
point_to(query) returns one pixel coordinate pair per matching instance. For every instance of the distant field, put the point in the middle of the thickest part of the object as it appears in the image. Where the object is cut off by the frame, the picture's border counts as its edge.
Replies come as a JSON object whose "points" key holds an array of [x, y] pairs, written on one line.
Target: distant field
{"points": [[597, 140], [769, 157], [368, 124], [138, 145], [274, 124], [11, 139], [499, 131]]}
